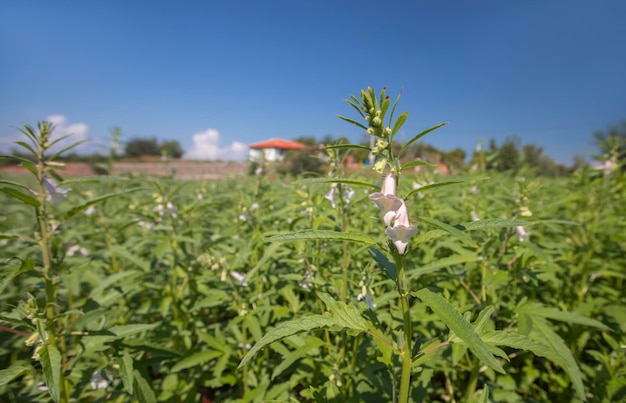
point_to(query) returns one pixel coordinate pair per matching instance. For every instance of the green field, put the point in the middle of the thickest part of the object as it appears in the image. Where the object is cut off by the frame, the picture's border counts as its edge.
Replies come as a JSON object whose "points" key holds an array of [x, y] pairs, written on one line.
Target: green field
{"points": [[510, 287]]}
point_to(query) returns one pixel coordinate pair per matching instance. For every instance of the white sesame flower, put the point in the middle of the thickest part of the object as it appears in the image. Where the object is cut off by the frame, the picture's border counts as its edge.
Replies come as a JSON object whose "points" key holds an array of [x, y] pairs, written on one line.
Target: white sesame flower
{"points": [[330, 196], [239, 277], [89, 211], [521, 233], [366, 295], [71, 251], [54, 193], [386, 199], [348, 194], [171, 209], [402, 230], [475, 216], [97, 381]]}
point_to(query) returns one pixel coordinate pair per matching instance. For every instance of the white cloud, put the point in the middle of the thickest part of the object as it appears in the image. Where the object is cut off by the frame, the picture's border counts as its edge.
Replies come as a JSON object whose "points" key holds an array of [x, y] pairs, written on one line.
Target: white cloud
{"points": [[78, 132], [206, 146]]}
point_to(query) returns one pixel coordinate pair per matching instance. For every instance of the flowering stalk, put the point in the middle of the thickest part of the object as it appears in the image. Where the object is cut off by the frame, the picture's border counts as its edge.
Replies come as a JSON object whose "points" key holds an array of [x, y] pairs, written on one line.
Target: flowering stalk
{"points": [[373, 109], [47, 190]]}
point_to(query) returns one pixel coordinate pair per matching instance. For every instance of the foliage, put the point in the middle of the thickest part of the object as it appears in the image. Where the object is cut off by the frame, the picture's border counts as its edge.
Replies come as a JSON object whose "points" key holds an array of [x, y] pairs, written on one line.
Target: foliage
{"points": [[301, 162], [138, 147], [160, 293]]}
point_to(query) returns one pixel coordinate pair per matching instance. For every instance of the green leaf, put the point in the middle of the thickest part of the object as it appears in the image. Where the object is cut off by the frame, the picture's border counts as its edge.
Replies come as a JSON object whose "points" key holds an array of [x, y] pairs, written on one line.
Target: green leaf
{"points": [[341, 316], [494, 223], [30, 166], [50, 360], [389, 268], [343, 146], [136, 259], [354, 122], [542, 331], [27, 146], [537, 309], [356, 104], [143, 390], [127, 330], [77, 209], [58, 153], [14, 371], [419, 136], [484, 395], [125, 362], [21, 196], [301, 351], [469, 226], [322, 234], [416, 163], [449, 315], [442, 263], [12, 183], [197, 358], [309, 181], [399, 123], [94, 179], [440, 184], [10, 274], [449, 229]]}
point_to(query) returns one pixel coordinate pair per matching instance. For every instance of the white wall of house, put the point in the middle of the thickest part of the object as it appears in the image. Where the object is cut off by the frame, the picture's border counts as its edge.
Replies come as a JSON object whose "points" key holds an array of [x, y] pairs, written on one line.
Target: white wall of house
{"points": [[270, 154]]}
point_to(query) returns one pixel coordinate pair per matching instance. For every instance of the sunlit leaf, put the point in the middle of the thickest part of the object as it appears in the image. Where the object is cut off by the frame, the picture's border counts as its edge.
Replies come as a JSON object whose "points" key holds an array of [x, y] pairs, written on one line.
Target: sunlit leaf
{"points": [[346, 146], [341, 316], [354, 122], [143, 390], [453, 319], [416, 163], [353, 182], [21, 196], [306, 235], [449, 229], [50, 360], [441, 184], [13, 372], [537, 309], [419, 136]]}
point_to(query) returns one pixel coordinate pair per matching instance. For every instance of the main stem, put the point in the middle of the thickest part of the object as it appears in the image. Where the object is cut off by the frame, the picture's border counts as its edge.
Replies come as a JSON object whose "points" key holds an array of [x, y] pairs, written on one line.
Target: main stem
{"points": [[51, 307], [407, 351]]}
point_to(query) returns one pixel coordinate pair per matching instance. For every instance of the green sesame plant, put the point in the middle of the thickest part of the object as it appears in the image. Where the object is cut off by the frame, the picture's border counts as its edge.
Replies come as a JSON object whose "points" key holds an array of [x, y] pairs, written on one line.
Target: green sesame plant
{"points": [[400, 342]]}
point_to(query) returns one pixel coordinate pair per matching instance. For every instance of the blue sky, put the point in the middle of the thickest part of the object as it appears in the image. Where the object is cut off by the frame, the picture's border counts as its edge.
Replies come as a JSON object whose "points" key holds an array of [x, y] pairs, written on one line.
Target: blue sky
{"points": [[218, 75]]}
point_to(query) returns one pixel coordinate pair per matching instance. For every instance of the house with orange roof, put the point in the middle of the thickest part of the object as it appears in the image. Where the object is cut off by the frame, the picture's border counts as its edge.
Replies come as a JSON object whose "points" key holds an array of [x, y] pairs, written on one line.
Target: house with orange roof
{"points": [[273, 149]]}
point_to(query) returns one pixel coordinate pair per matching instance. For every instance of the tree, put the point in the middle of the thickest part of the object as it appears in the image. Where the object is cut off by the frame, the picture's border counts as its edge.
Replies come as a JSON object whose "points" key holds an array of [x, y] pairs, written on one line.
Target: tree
{"points": [[508, 158], [298, 162], [455, 158], [171, 149], [138, 147]]}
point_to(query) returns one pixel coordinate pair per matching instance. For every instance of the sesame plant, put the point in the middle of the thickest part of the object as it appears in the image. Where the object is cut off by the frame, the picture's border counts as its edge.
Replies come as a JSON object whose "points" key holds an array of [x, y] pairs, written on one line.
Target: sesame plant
{"points": [[46, 312], [402, 347]]}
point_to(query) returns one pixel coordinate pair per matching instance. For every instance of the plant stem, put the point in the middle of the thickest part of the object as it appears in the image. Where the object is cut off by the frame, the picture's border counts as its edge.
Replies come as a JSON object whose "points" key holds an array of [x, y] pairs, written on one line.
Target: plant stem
{"points": [[52, 325], [405, 380]]}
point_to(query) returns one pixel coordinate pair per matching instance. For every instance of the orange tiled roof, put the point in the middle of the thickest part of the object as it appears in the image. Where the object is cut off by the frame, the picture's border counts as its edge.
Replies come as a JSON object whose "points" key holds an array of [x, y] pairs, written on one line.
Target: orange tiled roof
{"points": [[280, 144]]}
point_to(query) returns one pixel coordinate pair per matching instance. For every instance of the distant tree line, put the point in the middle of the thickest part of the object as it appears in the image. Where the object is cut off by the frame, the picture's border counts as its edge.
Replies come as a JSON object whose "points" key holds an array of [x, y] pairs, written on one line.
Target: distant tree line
{"points": [[139, 147], [509, 156]]}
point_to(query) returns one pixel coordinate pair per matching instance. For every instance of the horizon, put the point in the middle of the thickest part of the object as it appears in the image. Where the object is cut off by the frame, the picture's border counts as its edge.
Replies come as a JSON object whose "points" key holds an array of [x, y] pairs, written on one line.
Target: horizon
{"points": [[219, 77]]}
